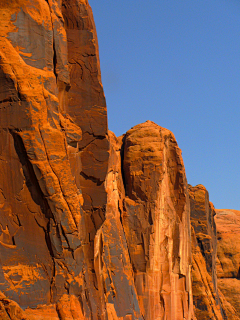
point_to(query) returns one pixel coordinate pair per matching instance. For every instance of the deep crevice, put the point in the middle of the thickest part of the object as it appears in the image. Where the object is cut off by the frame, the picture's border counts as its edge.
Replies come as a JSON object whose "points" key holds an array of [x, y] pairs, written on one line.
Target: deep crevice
{"points": [[238, 274], [54, 49], [13, 241], [93, 179], [150, 219], [200, 244], [122, 166]]}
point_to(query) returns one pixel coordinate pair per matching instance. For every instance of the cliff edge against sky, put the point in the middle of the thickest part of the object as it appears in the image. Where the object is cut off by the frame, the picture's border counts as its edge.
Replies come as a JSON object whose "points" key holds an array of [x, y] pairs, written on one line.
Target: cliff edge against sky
{"points": [[93, 226]]}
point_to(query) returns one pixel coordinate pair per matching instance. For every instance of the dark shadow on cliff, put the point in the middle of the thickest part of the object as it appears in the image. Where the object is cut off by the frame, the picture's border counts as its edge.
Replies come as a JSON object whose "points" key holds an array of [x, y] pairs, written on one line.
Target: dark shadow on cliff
{"points": [[32, 184]]}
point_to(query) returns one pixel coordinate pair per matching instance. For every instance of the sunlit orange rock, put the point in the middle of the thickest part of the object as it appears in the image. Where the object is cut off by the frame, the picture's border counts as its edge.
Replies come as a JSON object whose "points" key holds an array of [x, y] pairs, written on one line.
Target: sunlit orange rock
{"points": [[207, 304], [212, 300], [156, 221], [47, 237], [91, 226], [228, 255], [85, 104]]}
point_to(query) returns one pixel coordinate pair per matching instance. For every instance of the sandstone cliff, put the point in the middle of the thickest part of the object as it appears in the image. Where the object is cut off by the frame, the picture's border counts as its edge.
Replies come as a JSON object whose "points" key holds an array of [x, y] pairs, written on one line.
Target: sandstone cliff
{"points": [[91, 226], [209, 301], [213, 298], [204, 250], [228, 255]]}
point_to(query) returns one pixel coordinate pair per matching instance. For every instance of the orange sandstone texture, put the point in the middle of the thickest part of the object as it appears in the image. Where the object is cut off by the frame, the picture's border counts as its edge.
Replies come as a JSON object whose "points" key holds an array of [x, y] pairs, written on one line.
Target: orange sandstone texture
{"points": [[91, 226], [212, 300], [156, 222], [228, 255], [47, 240], [204, 249], [85, 104]]}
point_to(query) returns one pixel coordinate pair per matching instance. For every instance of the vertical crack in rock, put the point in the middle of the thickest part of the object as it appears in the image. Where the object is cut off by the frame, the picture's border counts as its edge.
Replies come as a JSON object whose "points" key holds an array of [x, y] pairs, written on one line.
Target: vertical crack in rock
{"points": [[93, 226]]}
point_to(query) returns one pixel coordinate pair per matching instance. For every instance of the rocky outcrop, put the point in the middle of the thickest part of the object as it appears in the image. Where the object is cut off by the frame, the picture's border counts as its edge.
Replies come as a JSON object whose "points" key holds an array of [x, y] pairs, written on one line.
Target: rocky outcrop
{"points": [[228, 255], [212, 300], [91, 226], [204, 249], [156, 221]]}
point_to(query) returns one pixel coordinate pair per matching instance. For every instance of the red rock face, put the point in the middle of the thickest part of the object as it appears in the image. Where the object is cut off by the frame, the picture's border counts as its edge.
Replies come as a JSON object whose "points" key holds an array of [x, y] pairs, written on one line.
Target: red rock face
{"points": [[228, 255], [156, 221], [34, 200], [85, 103], [204, 248], [91, 226], [46, 237], [209, 301]]}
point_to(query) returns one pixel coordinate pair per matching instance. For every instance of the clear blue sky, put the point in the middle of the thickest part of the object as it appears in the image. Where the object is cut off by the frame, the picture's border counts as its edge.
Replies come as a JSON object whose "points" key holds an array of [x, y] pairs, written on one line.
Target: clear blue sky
{"points": [[177, 63]]}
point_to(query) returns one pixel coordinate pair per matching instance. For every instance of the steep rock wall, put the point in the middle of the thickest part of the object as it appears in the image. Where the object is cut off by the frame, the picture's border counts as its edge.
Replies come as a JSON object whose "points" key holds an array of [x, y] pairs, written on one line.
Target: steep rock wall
{"points": [[204, 249], [228, 255], [91, 226], [47, 239], [209, 301], [156, 221]]}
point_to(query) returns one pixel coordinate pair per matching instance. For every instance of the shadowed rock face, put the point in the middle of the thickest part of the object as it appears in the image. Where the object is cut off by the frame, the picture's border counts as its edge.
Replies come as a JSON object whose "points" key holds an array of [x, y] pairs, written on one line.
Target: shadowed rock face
{"points": [[91, 226]]}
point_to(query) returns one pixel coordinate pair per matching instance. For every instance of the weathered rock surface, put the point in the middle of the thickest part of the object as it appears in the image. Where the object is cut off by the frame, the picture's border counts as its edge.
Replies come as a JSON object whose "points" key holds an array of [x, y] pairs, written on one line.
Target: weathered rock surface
{"points": [[91, 226], [204, 249], [156, 221], [228, 255], [209, 301], [85, 104], [47, 240]]}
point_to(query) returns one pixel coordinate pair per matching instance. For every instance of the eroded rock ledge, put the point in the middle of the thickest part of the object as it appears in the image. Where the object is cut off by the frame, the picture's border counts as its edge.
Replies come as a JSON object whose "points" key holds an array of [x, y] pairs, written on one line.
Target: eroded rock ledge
{"points": [[92, 226]]}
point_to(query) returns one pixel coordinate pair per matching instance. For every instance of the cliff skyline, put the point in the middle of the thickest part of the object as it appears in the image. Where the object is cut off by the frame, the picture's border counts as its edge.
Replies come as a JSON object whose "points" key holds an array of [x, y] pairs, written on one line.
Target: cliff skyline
{"points": [[177, 64], [94, 226]]}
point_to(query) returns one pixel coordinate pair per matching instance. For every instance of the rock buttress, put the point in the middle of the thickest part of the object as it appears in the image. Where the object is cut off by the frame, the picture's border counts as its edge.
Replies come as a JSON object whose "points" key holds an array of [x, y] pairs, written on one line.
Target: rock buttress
{"points": [[85, 103], [112, 263], [204, 249], [228, 255], [209, 301], [155, 217]]}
